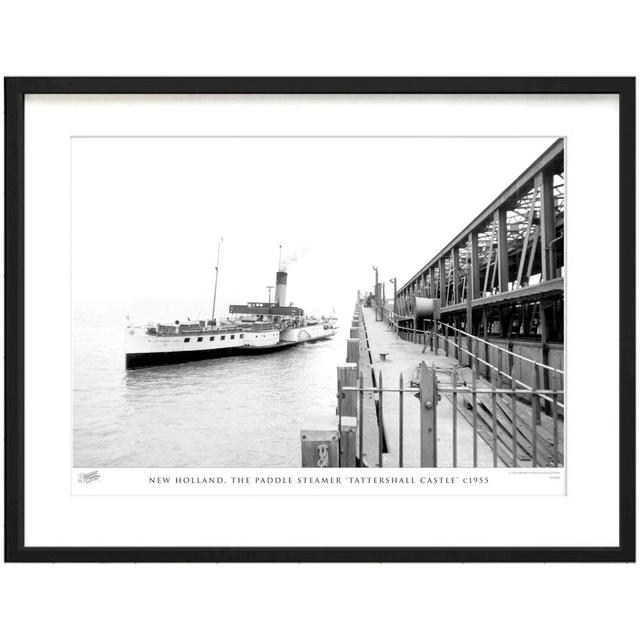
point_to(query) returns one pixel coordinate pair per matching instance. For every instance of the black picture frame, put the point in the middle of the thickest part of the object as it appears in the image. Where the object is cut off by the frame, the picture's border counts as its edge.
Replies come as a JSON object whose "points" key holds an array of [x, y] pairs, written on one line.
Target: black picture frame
{"points": [[15, 91]]}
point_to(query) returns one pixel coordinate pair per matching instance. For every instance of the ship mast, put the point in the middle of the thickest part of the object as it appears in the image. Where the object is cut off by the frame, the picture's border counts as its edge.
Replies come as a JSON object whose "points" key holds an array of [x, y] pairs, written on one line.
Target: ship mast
{"points": [[215, 289]]}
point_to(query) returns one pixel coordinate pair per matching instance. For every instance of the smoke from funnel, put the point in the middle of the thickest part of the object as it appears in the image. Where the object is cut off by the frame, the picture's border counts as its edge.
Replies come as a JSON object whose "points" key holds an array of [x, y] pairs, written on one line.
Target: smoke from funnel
{"points": [[290, 259]]}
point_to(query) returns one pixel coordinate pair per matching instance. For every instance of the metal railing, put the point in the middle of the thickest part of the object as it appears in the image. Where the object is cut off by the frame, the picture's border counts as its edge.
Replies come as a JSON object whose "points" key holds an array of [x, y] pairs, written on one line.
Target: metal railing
{"points": [[438, 333], [503, 425], [503, 412]]}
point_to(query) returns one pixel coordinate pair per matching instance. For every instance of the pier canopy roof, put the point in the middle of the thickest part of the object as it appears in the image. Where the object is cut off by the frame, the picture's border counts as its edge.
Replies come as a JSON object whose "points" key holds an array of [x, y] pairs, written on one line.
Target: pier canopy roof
{"points": [[515, 243]]}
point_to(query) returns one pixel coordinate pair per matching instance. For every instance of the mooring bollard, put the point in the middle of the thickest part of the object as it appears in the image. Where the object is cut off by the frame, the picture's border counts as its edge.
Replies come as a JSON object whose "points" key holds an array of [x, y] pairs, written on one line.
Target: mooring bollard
{"points": [[353, 350], [320, 448], [348, 377]]}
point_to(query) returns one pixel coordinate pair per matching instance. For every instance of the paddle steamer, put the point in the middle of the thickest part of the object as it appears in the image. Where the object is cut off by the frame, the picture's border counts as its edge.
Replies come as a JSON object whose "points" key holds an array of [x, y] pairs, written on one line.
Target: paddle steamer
{"points": [[257, 328]]}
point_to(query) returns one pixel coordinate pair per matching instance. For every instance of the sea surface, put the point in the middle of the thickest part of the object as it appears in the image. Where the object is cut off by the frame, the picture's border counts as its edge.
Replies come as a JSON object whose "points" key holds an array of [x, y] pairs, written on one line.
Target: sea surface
{"points": [[240, 411]]}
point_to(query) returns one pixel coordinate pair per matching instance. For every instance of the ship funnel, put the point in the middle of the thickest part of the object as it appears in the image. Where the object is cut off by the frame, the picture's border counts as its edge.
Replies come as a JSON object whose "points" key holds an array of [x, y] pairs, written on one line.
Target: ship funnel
{"points": [[281, 289]]}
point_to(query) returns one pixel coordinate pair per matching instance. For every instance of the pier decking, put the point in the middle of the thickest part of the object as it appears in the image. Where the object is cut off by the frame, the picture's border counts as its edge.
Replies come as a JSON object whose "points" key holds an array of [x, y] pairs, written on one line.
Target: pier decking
{"points": [[404, 357]]}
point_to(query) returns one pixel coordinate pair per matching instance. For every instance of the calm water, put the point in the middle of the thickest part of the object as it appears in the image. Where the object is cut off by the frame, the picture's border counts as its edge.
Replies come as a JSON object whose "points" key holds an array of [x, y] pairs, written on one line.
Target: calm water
{"points": [[240, 411]]}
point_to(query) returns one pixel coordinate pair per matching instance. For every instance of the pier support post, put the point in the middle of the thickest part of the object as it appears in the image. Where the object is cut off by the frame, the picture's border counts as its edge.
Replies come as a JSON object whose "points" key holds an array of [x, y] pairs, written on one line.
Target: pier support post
{"points": [[354, 332], [348, 377], [428, 403], [320, 448], [348, 447], [353, 350]]}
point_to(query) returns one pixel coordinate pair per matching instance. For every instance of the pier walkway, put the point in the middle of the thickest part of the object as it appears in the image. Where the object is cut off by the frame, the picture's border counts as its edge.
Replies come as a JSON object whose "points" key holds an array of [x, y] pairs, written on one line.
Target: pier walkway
{"points": [[493, 297], [404, 357]]}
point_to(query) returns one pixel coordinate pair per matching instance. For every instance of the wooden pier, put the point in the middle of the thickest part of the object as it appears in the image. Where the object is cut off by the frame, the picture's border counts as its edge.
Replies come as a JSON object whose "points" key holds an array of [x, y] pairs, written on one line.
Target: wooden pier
{"points": [[370, 447], [404, 357]]}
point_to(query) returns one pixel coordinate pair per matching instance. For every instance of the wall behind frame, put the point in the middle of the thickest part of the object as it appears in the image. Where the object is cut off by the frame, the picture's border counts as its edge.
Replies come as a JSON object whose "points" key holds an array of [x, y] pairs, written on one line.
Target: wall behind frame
{"points": [[286, 38]]}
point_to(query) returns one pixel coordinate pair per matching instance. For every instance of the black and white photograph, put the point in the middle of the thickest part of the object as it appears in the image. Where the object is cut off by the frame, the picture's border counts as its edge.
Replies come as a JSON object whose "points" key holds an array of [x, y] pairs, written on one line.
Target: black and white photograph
{"points": [[318, 301], [277, 304], [320, 320]]}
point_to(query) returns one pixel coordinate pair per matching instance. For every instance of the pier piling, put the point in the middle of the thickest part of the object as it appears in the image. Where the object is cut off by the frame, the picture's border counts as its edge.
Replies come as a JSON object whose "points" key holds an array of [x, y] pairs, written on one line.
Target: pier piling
{"points": [[320, 448], [348, 447], [353, 350], [348, 377]]}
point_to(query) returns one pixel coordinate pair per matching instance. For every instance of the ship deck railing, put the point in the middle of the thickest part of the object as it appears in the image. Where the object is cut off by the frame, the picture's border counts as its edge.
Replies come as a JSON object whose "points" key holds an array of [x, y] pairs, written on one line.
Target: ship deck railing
{"points": [[207, 331]]}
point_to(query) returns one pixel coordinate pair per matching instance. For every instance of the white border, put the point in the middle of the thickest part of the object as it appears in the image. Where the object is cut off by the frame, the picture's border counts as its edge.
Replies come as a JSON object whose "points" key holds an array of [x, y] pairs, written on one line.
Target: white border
{"points": [[53, 517]]}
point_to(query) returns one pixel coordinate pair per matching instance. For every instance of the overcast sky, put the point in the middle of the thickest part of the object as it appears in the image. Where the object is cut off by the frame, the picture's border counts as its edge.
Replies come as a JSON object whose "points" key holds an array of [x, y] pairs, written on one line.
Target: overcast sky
{"points": [[147, 213]]}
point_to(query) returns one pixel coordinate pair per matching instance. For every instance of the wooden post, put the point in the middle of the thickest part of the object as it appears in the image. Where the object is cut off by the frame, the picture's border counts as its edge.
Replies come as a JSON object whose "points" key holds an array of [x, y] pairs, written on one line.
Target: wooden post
{"points": [[353, 349], [428, 401], [348, 377], [360, 420], [354, 332], [380, 421], [319, 448], [348, 447]]}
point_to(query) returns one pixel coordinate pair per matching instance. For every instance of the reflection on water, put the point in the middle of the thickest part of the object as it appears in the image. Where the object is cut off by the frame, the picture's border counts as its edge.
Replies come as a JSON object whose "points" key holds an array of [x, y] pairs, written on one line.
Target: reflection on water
{"points": [[241, 411]]}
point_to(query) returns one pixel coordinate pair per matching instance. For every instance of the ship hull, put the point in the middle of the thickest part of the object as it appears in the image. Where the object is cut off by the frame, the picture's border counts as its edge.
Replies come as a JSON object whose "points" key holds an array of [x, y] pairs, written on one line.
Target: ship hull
{"points": [[159, 358], [154, 359]]}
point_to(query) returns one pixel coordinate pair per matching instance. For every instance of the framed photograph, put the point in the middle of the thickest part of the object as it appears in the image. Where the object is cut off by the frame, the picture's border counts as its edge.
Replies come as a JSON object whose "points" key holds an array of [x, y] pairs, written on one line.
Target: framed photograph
{"points": [[320, 319]]}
